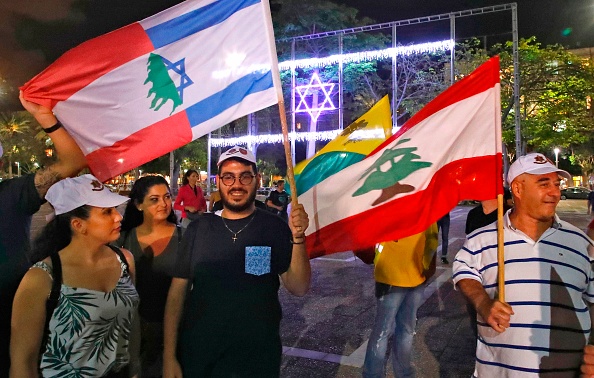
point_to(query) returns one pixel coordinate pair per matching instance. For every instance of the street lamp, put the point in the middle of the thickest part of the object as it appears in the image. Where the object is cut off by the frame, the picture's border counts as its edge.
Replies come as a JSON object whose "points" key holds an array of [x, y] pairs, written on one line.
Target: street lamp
{"points": [[556, 157]]}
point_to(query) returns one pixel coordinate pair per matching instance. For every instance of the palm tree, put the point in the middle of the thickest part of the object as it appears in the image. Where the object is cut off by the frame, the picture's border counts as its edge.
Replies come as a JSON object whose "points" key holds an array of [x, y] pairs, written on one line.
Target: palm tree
{"points": [[12, 126]]}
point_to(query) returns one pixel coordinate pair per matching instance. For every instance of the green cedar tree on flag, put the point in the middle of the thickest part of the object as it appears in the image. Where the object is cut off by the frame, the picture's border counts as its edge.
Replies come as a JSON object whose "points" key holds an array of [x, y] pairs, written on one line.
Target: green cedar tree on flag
{"points": [[447, 152]]}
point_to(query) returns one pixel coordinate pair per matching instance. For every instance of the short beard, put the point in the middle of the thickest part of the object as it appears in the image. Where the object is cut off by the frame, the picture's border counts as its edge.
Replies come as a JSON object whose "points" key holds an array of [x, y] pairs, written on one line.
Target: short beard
{"points": [[238, 207]]}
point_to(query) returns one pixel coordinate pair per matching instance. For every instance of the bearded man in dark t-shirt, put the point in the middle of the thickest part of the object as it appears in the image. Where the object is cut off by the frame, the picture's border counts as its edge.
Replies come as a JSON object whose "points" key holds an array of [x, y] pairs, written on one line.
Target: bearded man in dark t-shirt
{"points": [[227, 324]]}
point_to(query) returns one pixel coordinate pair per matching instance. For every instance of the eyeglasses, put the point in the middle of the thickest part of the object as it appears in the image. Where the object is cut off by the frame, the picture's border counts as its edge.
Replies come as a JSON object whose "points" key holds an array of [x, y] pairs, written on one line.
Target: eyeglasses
{"points": [[244, 179]]}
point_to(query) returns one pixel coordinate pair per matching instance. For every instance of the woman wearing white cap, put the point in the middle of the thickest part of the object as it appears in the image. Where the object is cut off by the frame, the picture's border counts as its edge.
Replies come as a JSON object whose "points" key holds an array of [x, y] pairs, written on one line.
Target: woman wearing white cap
{"points": [[86, 332]]}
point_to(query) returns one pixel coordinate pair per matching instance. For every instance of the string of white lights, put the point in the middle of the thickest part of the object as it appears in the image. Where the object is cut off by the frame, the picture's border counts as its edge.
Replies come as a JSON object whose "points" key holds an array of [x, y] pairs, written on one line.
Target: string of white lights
{"points": [[388, 53], [273, 138], [298, 137], [430, 47]]}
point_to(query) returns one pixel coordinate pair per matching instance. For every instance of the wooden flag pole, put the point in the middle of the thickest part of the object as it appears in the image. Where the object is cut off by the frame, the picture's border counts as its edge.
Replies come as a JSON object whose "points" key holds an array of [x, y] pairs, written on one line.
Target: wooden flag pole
{"points": [[281, 103], [500, 252], [287, 145]]}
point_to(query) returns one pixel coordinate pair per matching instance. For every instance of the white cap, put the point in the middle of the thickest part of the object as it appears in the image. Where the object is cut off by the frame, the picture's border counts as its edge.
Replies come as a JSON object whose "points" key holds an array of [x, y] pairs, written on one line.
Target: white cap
{"points": [[68, 194], [534, 164], [237, 152]]}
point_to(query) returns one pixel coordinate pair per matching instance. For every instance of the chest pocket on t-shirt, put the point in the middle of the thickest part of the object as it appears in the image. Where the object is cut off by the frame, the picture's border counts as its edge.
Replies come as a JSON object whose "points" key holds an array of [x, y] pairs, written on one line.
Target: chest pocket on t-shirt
{"points": [[257, 260]]}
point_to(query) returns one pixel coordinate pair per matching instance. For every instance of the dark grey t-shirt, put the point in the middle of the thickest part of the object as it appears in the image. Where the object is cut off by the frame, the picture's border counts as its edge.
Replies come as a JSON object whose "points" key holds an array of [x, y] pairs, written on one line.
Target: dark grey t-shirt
{"points": [[153, 273], [19, 200]]}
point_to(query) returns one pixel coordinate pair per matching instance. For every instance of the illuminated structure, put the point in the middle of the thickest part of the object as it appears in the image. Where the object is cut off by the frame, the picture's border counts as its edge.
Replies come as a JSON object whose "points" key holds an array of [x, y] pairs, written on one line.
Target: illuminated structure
{"points": [[391, 53], [304, 91]]}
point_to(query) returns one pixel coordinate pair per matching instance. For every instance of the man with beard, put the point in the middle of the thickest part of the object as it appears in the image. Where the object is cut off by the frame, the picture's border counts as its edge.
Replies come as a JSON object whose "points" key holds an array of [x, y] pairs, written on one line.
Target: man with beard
{"points": [[223, 315], [545, 321]]}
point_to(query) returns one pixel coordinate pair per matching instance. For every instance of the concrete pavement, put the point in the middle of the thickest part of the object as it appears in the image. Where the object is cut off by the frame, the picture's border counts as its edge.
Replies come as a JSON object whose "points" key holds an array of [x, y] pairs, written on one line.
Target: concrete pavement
{"points": [[325, 333]]}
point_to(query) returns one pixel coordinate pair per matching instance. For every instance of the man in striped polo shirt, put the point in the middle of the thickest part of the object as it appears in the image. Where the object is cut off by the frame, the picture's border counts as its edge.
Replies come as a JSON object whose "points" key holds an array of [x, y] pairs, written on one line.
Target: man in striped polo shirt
{"points": [[544, 323]]}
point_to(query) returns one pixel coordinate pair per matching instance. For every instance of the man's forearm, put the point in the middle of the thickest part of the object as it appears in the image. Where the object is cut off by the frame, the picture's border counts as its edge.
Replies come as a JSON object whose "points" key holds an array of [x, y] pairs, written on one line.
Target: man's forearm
{"points": [[474, 292], [173, 312], [298, 277]]}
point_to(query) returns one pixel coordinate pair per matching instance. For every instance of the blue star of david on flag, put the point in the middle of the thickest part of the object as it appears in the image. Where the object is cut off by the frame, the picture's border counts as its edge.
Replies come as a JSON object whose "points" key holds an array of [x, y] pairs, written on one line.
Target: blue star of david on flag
{"points": [[305, 91], [179, 68]]}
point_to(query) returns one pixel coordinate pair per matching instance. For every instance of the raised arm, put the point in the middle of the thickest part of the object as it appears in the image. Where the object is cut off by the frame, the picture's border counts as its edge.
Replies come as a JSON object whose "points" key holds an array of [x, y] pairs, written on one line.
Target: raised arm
{"points": [[297, 278], [70, 158]]}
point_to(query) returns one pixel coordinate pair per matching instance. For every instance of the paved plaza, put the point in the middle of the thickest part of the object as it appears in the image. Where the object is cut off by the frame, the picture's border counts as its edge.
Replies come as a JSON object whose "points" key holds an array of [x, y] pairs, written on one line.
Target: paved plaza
{"points": [[325, 333]]}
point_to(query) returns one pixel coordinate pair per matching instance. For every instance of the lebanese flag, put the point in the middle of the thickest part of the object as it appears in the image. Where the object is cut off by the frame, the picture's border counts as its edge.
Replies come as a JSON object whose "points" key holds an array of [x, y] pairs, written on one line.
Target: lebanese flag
{"points": [[448, 152], [141, 91]]}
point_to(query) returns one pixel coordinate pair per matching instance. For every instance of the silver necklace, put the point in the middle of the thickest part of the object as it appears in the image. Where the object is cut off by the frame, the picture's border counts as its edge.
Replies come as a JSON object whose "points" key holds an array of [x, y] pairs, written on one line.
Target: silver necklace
{"points": [[243, 228]]}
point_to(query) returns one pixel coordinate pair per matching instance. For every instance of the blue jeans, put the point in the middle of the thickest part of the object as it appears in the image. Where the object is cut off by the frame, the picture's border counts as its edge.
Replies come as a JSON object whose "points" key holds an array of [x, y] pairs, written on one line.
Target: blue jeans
{"points": [[396, 315]]}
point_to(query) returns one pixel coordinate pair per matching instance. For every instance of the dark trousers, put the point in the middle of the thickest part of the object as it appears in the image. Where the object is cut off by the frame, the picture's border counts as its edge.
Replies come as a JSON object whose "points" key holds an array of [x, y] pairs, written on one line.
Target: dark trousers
{"points": [[443, 224], [6, 297]]}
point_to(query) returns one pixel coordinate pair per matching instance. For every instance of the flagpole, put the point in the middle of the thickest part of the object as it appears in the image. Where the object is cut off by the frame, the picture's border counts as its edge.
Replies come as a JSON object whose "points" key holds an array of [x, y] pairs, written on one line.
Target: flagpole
{"points": [[500, 253], [281, 103]]}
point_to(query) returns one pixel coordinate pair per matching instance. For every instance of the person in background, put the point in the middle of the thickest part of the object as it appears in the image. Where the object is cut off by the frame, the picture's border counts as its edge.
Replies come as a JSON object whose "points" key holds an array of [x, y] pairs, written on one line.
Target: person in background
{"points": [[590, 201], [485, 213], [223, 313], [150, 232], [20, 198], [279, 200], [190, 200], [443, 224], [88, 330], [214, 199], [402, 267], [545, 321]]}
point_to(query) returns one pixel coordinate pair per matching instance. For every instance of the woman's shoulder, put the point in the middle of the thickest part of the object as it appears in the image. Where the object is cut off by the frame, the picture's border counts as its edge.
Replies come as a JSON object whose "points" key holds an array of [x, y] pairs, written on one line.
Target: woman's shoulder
{"points": [[39, 276]]}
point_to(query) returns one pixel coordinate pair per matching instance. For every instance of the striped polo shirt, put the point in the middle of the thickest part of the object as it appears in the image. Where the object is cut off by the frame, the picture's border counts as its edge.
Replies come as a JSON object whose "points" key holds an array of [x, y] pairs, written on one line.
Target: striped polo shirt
{"points": [[548, 284]]}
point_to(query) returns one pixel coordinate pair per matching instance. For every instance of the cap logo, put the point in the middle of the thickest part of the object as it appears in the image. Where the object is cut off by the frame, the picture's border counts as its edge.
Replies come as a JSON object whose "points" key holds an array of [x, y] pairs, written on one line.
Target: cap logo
{"points": [[539, 159], [97, 186], [242, 151]]}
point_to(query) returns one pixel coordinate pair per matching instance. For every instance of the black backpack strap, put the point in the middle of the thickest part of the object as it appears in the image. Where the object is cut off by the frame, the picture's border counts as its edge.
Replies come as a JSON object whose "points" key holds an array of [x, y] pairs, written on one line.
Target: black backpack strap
{"points": [[122, 257], [54, 297]]}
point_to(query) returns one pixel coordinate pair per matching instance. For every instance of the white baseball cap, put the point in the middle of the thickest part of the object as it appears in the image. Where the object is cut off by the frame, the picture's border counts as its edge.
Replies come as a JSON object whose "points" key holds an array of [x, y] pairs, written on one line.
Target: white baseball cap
{"points": [[534, 164], [68, 194], [237, 152]]}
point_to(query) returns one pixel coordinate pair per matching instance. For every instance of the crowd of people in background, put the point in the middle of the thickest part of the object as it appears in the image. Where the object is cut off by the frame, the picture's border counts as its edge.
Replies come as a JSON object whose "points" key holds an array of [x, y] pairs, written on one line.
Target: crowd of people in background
{"points": [[147, 294], [105, 295]]}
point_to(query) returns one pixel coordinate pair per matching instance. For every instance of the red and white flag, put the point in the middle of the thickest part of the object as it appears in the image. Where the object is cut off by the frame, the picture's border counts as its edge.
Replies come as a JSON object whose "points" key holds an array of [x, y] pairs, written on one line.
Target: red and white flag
{"points": [[449, 151], [137, 93]]}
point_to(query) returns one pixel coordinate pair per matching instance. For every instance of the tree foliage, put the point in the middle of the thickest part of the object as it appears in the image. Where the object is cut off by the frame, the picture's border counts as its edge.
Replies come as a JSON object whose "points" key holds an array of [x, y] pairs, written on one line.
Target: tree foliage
{"points": [[23, 142], [554, 88]]}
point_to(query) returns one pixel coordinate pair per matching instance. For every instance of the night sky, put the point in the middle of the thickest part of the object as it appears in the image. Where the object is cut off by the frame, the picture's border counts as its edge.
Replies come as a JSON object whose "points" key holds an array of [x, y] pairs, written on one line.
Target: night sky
{"points": [[569, 22]]}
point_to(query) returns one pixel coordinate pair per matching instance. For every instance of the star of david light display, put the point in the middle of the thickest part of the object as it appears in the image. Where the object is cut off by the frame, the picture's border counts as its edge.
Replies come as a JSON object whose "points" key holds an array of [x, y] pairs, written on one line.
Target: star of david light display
{"points": [[305, 91]]}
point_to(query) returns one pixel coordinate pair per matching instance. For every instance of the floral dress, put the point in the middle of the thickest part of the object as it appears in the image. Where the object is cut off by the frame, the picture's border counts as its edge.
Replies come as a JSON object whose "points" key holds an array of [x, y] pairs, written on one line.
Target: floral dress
{"points": [[89, 330]]}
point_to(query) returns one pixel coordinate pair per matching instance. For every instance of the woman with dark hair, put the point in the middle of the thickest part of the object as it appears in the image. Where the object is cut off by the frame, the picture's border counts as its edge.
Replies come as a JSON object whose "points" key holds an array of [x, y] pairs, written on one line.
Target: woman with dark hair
{"points": [[150, 232], [85, 331], [190, 199]]}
